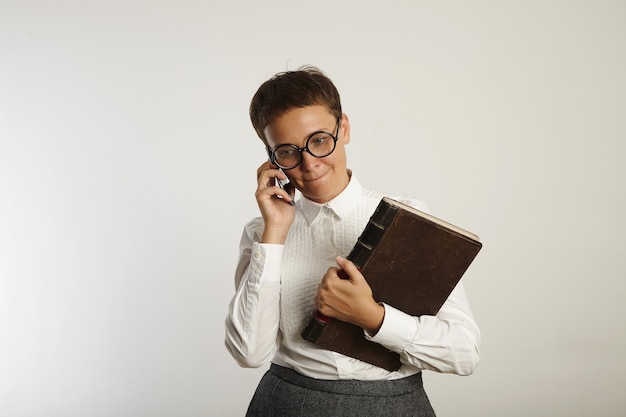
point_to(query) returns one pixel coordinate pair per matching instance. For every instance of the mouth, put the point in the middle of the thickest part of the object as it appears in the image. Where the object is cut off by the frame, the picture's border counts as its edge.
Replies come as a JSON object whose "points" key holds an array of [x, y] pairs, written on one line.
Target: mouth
{"points": [[317, 178]]}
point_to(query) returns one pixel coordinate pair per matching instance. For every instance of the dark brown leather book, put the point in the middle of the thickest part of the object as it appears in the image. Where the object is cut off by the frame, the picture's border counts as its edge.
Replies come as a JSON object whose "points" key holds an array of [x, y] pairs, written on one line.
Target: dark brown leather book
{"points": [[412, 261]]}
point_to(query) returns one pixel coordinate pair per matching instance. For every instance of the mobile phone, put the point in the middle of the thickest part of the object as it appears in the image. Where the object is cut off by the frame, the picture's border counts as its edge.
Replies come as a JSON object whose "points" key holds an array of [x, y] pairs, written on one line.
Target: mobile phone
{"points": [[282, 184], [279, 182]]}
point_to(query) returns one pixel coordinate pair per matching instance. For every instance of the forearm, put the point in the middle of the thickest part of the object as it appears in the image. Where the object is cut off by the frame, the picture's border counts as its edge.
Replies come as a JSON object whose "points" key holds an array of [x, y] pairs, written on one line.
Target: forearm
{"points": [[254, 311], [252, 323], [448, 342]]}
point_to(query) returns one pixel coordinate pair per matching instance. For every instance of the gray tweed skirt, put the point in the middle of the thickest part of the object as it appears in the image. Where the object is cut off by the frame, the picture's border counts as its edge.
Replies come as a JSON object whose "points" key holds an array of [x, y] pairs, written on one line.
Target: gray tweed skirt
{"points": [[283, 392]]}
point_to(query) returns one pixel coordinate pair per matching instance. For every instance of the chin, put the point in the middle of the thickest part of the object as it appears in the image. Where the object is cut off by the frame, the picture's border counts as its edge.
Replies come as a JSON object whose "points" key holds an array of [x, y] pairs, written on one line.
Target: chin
{"points": [[321, 190], [320, 196]]}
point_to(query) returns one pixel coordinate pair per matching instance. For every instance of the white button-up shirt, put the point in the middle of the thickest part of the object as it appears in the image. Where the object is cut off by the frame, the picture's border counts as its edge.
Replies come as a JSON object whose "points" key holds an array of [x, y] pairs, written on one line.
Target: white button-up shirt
{"points": [[275, 286]]}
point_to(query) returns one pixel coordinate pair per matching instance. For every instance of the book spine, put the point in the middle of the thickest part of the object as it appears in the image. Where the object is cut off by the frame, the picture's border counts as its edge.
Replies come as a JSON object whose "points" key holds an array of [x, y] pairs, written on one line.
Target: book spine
{"points": [[359, 255], [372, 234]]}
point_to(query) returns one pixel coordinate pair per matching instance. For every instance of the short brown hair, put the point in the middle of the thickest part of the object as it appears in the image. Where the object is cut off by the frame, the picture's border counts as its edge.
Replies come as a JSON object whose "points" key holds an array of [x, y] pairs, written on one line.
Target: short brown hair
{"points": [[306, 86]]}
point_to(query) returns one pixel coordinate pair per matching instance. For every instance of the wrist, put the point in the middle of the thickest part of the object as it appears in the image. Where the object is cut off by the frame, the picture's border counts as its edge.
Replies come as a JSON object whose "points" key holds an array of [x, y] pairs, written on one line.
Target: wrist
{"points": [[274, 234], [375, 319]]}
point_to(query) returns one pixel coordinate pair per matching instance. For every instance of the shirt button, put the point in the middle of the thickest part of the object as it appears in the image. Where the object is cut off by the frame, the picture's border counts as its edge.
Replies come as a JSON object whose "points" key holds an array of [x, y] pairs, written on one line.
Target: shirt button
{"points": [[257, 255]]}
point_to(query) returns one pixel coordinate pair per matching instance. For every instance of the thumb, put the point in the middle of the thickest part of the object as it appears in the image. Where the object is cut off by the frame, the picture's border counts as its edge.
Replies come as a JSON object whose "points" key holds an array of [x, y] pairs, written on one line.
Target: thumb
{"points": [[348, 268]]}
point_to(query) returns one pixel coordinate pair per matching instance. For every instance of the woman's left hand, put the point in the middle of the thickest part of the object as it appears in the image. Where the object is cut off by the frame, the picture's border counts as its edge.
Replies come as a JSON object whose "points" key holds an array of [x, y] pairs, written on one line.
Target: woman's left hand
{"points": [[349, 299]]}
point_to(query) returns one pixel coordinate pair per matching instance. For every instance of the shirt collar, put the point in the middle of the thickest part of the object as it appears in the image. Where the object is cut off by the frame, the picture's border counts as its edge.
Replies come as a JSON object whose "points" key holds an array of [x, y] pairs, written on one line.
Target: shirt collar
{"points": [[340, 205]]}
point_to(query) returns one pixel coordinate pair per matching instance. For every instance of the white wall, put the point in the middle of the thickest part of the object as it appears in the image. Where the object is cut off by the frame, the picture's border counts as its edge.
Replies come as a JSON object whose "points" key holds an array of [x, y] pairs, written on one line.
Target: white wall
{"points": [[120, 220]]}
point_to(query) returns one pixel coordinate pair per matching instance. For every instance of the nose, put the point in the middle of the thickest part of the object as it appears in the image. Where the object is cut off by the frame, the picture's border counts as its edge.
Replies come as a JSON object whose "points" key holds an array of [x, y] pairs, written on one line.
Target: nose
{"points": [[308, 161]]}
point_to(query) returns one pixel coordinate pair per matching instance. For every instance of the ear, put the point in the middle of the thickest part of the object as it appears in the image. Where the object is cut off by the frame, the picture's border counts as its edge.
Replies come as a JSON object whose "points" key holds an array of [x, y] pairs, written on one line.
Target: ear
{"points": [[344, 129]]}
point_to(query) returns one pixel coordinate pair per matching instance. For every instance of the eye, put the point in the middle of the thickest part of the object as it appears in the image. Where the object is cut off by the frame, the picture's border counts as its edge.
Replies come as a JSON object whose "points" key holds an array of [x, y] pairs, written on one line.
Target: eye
{"points": [[285, 152], [319, 140]]}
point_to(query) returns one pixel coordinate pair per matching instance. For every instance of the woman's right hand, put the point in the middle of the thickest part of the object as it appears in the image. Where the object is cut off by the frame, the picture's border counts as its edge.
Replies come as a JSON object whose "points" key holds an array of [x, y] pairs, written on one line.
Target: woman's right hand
{"points": [[274, 203]]}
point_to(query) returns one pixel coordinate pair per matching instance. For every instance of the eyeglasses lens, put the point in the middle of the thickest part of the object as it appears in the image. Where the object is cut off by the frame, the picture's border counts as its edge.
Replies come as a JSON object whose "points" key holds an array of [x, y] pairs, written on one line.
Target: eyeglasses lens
{"points": [[319, 145]]}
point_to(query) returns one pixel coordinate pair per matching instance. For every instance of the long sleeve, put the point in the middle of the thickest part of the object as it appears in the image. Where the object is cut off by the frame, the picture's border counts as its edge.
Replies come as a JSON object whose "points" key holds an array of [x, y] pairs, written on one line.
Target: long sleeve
{"points": [[252, 324], [276, 287], [448, 342]]}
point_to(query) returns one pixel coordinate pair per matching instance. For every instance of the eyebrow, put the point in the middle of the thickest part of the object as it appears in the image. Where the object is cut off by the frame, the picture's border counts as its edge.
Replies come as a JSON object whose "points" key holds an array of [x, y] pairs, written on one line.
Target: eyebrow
{"points": [[318, 131]]}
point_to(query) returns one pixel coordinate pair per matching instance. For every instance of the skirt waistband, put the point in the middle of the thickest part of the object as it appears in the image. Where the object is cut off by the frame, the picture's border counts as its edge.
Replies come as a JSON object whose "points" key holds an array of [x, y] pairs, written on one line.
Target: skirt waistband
{"points": [[380, 388]]}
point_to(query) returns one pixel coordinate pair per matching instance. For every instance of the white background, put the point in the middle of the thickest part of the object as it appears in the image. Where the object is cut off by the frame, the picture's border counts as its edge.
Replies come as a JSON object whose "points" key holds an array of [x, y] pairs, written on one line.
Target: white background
{"points": [[127, 170]]}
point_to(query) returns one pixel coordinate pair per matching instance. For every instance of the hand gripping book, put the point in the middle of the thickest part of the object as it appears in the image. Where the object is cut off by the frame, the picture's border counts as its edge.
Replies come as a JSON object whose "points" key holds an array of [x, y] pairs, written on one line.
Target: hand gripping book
{"points": [[412, 261]]}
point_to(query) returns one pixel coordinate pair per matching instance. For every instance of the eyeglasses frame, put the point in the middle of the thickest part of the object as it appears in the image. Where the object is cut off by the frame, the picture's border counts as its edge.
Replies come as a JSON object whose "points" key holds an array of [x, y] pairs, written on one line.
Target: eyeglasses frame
{"points": [[272, 152]]}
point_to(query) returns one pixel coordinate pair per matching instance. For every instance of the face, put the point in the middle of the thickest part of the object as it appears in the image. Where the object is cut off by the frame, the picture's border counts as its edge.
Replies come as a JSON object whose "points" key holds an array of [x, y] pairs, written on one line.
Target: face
{"points": [[318, 179]]}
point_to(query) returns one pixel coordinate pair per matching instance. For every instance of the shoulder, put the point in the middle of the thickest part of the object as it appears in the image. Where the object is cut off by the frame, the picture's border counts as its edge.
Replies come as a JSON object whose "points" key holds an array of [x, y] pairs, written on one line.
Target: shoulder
{"points": [[413, 202]]}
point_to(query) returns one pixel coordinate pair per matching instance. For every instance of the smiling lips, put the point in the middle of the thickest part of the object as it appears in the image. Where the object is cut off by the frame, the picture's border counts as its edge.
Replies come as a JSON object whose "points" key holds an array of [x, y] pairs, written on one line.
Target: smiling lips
{"points": [[315, 179]]}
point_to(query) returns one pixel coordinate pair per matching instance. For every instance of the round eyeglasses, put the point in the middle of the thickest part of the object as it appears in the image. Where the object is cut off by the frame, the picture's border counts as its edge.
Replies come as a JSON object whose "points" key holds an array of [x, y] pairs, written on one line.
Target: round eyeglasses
{"points": [[318, 144]]}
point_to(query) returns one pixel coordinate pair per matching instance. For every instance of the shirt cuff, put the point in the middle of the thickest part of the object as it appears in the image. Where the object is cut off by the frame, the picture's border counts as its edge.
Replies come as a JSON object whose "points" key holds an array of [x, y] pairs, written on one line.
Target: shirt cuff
{"points": [[397, 330], [266, 261]]}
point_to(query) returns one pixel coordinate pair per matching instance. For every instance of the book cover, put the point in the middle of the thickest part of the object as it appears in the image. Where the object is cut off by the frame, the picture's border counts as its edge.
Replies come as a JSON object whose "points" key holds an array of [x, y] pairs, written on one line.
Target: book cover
{"points": [[412, 261]]}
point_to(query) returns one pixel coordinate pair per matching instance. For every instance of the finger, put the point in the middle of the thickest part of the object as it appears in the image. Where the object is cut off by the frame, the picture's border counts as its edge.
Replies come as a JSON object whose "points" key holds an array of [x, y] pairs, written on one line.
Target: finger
{"points": [[267, 176], [272, 173], [330, 276], [264, 167], [348, 268]]}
